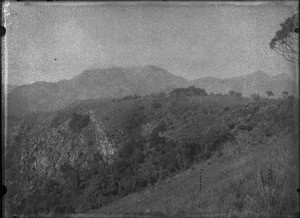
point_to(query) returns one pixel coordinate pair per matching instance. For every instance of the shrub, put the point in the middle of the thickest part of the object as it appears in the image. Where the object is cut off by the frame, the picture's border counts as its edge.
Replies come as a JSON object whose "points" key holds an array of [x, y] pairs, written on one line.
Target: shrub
{"points": [[284, 94], [156, 105], [130, 97], [78, 122], [234, 93], [231, 125], [255, 96], [245, 127], [269, 94]]}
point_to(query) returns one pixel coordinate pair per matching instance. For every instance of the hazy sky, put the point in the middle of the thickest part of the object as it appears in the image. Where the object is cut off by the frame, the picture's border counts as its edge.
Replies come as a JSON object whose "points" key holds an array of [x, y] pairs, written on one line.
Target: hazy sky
{"points": [[52, 42]]}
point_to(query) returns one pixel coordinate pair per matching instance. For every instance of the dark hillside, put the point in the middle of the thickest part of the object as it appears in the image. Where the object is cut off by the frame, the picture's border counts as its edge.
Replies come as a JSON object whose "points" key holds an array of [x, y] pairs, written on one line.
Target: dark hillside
{"points": [[95, 152], [190, 91], [227, 185]]}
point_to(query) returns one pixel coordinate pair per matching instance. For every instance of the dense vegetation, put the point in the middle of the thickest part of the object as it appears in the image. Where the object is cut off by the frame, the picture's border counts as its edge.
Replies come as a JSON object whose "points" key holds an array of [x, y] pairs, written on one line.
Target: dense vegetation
{"points": [[156, 137]]}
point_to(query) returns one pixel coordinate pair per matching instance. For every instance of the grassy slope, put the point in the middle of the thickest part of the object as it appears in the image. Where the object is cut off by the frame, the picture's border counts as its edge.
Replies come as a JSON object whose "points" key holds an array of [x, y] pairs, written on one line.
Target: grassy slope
{"points": [[230, 182]]}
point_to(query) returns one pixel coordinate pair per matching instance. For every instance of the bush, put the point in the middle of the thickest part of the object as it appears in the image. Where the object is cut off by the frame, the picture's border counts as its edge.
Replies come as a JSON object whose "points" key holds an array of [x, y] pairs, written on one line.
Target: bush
{"points": [[156, 105], [255, 96], [78, 122], [234, 93], [245, 127], [130, 97]]}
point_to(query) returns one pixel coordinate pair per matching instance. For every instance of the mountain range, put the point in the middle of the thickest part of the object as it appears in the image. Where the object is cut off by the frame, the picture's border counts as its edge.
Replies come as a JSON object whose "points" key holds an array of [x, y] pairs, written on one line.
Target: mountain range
{"points": [[258, 82], [118, 82]]}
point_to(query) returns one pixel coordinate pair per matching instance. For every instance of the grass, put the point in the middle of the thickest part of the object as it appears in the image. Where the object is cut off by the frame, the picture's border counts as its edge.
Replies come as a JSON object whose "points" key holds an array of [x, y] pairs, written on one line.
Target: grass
{"points": [[231, 184]]}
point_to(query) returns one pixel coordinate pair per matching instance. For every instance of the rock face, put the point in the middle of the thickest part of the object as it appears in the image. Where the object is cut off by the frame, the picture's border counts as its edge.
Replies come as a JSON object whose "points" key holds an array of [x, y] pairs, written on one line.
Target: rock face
{"points": [[91, 84], [57, 149], [46, 149]]}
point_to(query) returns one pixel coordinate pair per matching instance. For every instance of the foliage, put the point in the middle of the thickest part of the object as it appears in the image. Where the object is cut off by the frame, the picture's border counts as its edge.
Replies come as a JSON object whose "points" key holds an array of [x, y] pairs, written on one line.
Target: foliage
{"points": [[285, 94], [255, 96], [285, 41], [79, 122], [130, 97], [156, 104], [155, 139], [158, 95], [234, 93], [269, 94], [231, 185]]}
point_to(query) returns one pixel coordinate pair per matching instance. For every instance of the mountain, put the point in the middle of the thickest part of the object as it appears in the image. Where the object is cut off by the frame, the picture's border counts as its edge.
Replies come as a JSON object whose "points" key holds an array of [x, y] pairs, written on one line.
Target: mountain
{"points": [[118, 82], [10, 87], [40, 96], [258, 82], [91, 84]]}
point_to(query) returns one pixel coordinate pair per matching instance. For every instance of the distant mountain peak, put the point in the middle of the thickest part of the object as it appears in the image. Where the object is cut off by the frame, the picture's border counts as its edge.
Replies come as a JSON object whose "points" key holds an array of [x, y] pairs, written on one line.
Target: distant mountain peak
{"points": [[113, 69], [112, 82]]}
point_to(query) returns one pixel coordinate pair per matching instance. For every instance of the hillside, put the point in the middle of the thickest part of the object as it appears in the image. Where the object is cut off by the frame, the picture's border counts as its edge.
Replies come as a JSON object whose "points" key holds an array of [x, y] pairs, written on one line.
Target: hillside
{"points": [[258, 82], [227, 185], [95, 152], [91, 84]]}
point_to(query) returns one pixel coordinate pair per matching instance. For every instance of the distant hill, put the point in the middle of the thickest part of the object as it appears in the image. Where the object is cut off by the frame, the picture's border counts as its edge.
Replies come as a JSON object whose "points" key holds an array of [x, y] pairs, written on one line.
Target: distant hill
{"points": [[190, 91], [117, 82], [258, 82], [91, 84], [10, 87]]}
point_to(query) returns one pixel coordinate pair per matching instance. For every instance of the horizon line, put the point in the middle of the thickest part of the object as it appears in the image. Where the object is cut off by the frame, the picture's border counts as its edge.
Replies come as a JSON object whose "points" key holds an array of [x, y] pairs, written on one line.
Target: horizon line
{"points": [[138, 66]]}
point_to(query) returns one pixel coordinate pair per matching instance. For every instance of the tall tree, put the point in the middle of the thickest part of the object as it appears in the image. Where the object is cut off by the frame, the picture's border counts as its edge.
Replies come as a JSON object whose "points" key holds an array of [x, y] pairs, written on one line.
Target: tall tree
{"points": [[285, 41]]}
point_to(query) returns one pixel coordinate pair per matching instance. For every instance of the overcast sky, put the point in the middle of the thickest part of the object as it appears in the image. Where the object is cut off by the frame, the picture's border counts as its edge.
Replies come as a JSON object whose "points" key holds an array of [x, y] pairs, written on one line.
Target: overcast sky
{"points": [[53, 42]]}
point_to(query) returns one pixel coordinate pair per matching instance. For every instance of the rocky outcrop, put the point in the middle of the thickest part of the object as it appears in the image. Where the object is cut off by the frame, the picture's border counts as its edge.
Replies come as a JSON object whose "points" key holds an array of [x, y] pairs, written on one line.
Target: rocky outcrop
{"points": [[43, 151]]}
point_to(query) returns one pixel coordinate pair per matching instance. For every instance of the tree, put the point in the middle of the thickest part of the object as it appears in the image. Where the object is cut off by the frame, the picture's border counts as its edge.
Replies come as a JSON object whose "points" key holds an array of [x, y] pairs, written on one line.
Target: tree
{"points": [[234, 93], [285, 94], [255, 96], [269, 93], [285, 41]]}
